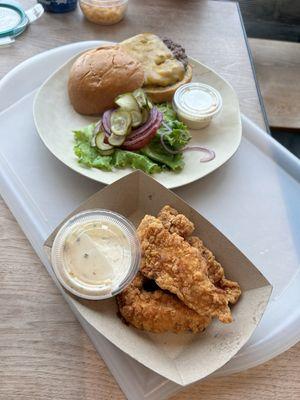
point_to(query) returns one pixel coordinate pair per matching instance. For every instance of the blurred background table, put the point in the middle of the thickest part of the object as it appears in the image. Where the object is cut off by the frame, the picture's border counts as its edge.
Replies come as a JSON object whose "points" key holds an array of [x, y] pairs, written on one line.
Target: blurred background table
{"points": [[44, 353]]}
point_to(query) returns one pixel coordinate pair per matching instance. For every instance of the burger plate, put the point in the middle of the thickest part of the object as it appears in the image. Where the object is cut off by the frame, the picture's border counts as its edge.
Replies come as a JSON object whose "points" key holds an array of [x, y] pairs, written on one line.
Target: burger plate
{"points": [[55, 120]]}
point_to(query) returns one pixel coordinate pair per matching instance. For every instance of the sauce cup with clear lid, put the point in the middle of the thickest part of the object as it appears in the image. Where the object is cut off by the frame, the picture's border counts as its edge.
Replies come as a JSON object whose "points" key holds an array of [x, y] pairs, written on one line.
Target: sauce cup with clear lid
{"points": [[196, 104], [96, 254]]}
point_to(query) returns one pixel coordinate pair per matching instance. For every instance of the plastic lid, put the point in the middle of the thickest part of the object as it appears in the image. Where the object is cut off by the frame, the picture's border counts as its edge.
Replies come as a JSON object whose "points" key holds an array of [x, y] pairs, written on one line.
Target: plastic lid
{"points": [[96, 254], [13, 20], [197, 100]]}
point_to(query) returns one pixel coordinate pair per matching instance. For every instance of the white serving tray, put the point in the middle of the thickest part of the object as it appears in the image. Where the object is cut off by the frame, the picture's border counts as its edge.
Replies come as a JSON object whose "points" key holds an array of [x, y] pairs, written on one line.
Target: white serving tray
{"points": [[253, 200]]}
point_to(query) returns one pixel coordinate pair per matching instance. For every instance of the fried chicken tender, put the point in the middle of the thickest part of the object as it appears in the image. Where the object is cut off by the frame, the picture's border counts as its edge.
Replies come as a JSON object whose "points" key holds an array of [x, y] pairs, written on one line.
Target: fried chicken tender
{"points": [[180, 224], [190, 287], [180, 268], [216, 272], [157, 311], [175, 222]]}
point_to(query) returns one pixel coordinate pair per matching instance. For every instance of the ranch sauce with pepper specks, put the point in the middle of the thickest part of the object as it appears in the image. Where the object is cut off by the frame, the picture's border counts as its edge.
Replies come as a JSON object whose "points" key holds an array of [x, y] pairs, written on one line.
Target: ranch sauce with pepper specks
{"points": [[95, 256]]}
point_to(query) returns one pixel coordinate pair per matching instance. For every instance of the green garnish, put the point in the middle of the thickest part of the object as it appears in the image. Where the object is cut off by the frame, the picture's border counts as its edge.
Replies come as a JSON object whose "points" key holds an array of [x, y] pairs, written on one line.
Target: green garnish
{"points": [[151, 159]]}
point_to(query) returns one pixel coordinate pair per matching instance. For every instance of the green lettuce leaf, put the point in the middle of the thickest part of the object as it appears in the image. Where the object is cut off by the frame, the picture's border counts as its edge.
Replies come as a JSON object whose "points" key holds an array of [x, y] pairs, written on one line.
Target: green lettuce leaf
{"points": [[175, 133], [89, 157], [157, 153], [151, 159], [168, 111], [84, 134], [124, 158]]}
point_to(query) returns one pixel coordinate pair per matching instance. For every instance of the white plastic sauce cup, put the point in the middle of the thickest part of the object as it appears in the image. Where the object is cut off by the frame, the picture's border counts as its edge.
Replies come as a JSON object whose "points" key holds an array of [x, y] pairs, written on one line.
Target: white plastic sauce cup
{"points": [[196, 104], [96, 254]]}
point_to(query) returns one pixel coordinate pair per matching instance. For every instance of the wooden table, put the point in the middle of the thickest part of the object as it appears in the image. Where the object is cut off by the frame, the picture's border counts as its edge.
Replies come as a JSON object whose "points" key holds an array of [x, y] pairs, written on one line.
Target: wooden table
{"points": [[44, 353]]}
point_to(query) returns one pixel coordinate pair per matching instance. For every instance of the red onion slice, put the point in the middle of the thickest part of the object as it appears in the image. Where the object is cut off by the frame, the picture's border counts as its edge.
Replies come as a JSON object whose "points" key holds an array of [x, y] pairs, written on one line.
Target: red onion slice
{"points": [[136, 142], [138, 137], [153, 116], [210, 154], [106, 121], [98, 126]]}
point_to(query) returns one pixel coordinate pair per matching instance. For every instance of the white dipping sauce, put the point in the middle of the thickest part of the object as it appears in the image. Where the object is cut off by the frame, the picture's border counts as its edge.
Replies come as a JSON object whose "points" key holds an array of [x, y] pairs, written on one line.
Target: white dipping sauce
{"points": [[94, 255], [196, 104]]}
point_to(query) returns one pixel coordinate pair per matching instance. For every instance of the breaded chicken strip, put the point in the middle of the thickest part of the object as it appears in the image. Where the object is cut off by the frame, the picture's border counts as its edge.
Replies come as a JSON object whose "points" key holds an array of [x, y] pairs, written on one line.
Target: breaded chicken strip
{"points": [[157, 311], [216, 272], [180, 224], [178, 267], [175, 222]]}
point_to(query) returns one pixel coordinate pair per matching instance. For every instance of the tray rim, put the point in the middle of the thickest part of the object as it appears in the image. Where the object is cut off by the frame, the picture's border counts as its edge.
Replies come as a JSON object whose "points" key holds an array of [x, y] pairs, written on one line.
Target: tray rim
{"points": [[292, 167]]}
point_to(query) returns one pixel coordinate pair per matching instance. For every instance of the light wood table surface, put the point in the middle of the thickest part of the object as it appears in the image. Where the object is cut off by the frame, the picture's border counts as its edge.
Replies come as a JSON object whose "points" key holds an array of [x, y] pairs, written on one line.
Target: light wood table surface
{"points": [[44, 353], [277, 65]]}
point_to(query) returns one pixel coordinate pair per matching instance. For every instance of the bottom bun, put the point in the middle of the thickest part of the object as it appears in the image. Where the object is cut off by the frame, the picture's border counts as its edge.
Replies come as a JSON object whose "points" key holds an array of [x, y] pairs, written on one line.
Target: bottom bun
{"points": [[160, 94]]}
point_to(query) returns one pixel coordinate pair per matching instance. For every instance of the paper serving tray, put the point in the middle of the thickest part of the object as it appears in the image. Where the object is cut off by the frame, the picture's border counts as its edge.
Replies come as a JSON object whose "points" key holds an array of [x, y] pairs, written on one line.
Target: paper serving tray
{"points": [[182, 358]]}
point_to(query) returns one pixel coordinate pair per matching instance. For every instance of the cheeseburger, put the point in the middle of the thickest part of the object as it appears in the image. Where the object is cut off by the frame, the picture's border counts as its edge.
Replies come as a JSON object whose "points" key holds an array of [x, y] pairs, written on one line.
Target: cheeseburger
{"points": [[98, 76], [164, 62]]}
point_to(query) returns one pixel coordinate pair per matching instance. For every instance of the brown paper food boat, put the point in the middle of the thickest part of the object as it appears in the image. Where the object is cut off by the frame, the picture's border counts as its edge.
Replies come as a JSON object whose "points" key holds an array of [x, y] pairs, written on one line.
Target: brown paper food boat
{"points": [[182, 358]]}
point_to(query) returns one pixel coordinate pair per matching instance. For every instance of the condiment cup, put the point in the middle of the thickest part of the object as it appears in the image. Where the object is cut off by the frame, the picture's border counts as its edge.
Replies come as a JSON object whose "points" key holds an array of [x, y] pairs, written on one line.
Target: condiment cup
{"points": [[104, 12], [196, 104], [96, 254]]}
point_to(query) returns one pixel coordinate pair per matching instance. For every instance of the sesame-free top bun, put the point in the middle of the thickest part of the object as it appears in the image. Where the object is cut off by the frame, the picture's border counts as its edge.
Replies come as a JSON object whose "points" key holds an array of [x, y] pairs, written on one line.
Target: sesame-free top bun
{"points": [[99, 75]]}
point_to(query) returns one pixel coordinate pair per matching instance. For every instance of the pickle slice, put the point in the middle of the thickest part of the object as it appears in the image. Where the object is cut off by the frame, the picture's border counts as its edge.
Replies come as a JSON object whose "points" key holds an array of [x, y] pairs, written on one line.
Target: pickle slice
{"points": [[149, 104], [101, 145], [120, 122], [106, 152], [116, 140], [140, 97], [136, 118], [93, 140], [97, 128], [127, 102], [145, 115]]}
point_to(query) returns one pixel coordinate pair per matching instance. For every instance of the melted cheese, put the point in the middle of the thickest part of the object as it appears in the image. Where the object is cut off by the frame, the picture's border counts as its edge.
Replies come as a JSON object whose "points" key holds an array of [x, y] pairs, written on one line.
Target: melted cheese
{"points": [[161, 68]]}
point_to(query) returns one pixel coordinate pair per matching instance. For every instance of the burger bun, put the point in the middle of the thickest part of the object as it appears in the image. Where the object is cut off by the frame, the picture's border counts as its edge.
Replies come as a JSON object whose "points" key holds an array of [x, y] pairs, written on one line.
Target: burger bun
{"points": [[98, 76]]}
